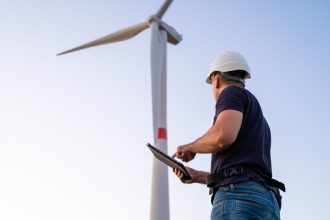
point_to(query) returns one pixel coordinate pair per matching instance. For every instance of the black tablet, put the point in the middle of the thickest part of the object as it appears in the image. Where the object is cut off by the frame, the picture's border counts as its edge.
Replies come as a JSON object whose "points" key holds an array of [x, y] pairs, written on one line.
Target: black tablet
{"points": [[169, 161]]}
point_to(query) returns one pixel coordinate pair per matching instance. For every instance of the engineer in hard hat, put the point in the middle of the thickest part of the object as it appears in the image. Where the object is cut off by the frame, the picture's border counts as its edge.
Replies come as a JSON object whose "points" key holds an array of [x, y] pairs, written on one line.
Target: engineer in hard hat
{"points": [[240, 140]]}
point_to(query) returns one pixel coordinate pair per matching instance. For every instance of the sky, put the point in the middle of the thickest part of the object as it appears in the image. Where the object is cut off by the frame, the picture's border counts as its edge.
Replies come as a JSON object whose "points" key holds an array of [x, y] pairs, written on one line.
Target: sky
{"points": [[73, 128]]}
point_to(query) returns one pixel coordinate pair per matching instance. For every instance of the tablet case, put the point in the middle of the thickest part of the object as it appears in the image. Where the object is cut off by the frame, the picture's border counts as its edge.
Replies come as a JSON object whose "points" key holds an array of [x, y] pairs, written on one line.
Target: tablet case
{"points": [[169, 161]]}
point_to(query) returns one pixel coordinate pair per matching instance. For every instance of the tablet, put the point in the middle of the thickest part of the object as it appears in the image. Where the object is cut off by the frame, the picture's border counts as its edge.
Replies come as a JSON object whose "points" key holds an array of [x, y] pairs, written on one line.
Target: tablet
{"points": [[169, 161]]}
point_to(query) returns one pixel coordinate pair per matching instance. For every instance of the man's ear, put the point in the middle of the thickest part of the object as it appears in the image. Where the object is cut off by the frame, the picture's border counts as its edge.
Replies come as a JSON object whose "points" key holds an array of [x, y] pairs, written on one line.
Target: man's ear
{"points": [[217, 82]]}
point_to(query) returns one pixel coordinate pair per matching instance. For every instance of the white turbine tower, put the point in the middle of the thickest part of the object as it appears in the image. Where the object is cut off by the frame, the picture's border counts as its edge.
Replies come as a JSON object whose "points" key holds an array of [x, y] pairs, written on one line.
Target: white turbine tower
{"points": [[161, 33]]}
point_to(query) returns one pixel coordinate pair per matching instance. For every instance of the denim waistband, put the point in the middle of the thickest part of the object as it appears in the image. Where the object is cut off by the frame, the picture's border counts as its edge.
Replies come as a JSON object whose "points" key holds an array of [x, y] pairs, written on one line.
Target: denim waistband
{"points": [[246, 185], [250, 184]]}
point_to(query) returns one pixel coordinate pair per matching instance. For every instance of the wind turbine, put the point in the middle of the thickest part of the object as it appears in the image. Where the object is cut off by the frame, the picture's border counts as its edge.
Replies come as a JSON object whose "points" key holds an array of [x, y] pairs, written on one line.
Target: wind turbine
{"points": [[161, 33]]}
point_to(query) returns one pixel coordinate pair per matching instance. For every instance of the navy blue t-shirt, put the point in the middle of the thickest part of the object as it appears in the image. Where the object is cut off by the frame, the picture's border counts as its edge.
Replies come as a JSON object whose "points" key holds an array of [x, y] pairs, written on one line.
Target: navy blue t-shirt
{"points": [[252, 145]]}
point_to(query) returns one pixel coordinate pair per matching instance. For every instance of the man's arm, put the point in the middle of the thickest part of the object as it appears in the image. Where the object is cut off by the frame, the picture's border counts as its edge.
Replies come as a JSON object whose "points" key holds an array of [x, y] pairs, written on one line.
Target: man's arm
{"points": [[219, 137]]}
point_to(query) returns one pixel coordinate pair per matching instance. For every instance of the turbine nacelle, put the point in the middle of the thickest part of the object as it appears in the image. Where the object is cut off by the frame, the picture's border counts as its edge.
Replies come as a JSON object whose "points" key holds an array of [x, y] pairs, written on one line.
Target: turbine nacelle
{"points": [[173, 36]]}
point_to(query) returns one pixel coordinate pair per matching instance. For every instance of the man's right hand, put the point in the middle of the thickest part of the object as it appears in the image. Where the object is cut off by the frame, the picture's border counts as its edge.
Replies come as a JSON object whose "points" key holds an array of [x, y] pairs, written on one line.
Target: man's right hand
{"points": [[184, 153]]}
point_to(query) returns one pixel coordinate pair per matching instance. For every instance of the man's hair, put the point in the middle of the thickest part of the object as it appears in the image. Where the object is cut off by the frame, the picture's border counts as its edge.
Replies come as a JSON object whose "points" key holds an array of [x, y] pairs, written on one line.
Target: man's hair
{"points": [[236, 76]]}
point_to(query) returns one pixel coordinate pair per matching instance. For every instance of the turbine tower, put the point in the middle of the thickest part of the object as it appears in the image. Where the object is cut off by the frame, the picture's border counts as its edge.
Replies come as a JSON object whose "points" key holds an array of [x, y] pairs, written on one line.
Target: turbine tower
{"points": [[161, 33]]}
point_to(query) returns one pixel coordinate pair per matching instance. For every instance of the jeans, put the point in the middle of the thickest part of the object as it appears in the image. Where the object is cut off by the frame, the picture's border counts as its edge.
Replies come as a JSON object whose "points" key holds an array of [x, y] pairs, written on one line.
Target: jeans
{"points": [[245, 200]]}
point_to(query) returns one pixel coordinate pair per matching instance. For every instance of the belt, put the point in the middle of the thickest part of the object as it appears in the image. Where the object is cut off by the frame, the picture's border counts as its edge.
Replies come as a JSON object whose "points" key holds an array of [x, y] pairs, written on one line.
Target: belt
{"points": [[213, 179]]}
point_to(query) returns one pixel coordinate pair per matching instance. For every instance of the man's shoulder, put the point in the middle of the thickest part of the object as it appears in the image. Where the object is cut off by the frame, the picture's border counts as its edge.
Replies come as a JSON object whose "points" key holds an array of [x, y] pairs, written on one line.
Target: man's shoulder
{"points": [[238, 91], [232, 97], [238, 94]]}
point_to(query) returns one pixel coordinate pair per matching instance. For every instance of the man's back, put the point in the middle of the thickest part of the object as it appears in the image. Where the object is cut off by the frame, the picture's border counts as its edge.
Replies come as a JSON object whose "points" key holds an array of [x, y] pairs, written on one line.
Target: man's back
{"points": [[253, 142]]}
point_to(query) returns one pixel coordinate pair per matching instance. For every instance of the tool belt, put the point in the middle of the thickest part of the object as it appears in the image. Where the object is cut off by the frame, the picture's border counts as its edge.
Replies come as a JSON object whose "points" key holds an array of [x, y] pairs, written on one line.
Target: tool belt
{"points": [[273, 185]]}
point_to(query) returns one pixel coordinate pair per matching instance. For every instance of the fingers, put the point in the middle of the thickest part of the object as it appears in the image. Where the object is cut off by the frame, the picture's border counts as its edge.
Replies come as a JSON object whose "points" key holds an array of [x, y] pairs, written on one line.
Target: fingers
{"points": [[184, 153], [178, 173], [179, 155], [181, 176], [186, 157]]}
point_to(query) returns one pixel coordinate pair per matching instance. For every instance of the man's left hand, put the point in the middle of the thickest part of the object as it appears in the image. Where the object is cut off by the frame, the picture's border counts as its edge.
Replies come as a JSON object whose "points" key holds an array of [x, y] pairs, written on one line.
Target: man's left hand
{"points": [[184, 153]]}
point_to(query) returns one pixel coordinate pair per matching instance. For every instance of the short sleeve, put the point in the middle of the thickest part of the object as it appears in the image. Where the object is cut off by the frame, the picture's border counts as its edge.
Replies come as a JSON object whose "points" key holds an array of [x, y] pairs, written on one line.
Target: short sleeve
{"points": [[232, 98]]}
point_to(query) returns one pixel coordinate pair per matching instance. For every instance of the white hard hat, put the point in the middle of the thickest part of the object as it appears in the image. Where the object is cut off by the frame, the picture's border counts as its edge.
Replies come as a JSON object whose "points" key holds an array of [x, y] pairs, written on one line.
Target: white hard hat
{"points": [[229, 61]]}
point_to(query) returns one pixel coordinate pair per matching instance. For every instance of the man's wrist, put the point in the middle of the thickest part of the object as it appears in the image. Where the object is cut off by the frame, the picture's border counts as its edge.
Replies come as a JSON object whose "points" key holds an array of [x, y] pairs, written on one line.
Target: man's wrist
{"points": [[201, 178], [191, 147]]}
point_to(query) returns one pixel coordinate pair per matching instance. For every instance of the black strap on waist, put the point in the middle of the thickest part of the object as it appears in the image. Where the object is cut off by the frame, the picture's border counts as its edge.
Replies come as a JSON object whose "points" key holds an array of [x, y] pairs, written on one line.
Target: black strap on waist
{"points": [[213, 179]]}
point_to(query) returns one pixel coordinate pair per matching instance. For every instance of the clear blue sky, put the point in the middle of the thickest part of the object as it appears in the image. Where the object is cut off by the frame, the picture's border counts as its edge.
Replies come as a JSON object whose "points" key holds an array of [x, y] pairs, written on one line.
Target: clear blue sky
{"points": [[71, 127]]}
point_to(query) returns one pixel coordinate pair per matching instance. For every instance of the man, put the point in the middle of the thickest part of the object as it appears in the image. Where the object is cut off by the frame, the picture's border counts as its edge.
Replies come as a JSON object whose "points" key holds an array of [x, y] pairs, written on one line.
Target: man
{"points": [[239, 142]]}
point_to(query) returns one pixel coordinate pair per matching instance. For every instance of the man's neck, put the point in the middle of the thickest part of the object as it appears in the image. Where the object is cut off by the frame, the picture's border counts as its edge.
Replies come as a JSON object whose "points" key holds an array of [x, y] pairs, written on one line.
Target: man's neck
{"points": [[223, 87]]}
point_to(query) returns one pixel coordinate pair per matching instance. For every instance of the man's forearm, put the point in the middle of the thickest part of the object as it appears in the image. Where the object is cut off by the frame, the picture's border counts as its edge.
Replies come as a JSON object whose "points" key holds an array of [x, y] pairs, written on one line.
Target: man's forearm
{"points": [[221, 135], [201, 177], [208, 143]]}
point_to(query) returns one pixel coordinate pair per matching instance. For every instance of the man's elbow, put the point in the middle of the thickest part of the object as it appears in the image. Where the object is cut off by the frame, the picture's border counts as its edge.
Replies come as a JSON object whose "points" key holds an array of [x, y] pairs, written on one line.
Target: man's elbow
{"points": [[223, 142]]}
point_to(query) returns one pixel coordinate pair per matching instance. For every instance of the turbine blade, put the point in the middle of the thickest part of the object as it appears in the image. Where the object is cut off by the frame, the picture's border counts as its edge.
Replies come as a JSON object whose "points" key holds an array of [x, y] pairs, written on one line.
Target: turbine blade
{"points": [[120, 35], [163, 8]]}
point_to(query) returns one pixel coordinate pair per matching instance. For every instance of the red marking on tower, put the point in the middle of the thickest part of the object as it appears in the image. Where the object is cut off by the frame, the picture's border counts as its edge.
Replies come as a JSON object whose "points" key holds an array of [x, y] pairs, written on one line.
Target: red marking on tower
{"points": [[162, 133]]}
